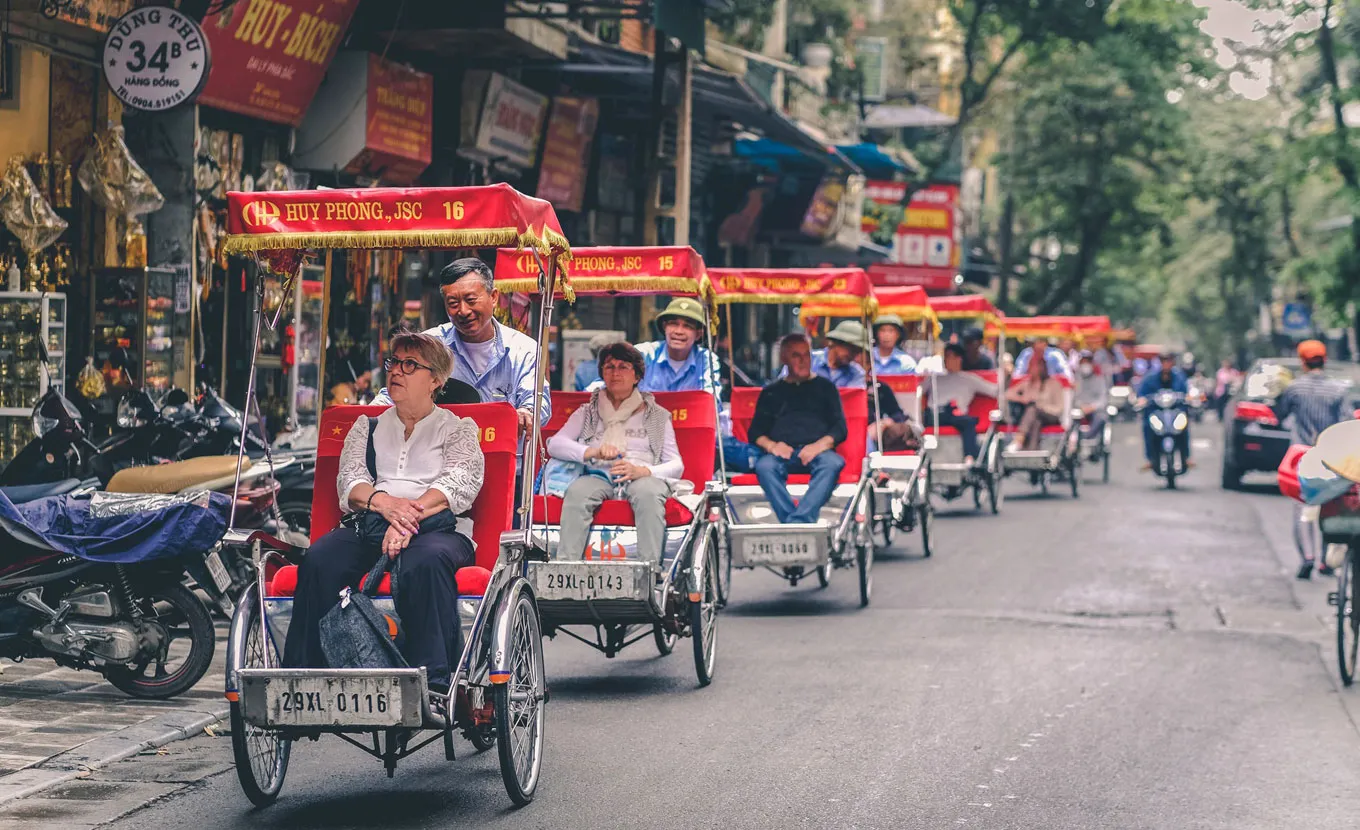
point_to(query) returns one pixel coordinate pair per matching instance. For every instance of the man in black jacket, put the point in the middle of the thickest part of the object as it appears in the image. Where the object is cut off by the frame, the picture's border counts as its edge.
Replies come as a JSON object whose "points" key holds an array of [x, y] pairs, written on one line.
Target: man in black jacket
{"points": [[797, 424]]}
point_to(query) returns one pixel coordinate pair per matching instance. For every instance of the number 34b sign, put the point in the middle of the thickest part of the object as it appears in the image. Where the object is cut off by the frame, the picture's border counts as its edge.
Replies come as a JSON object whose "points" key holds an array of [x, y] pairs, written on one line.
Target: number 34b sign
{"points": [[155, 58]]}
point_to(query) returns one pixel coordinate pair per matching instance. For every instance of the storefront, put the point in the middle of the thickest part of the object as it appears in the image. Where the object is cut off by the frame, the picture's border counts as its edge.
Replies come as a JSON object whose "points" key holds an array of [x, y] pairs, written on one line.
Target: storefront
{"points": [[70, 194]]}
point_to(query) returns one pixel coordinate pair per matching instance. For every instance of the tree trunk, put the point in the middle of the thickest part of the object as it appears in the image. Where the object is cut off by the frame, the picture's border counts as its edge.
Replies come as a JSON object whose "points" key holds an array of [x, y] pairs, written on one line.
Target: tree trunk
{"points": [[1006, 242], [1091, 233]]}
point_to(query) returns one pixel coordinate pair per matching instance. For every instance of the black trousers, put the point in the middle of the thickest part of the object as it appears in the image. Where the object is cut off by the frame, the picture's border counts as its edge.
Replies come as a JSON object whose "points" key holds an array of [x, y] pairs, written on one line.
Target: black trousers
{"points": [[427, 597], [965, 424]]}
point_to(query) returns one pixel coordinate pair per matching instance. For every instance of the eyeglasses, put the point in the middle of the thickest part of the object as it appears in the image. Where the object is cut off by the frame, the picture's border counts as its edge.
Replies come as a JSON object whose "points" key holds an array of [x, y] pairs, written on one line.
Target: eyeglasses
{"points": [[408, 366]]}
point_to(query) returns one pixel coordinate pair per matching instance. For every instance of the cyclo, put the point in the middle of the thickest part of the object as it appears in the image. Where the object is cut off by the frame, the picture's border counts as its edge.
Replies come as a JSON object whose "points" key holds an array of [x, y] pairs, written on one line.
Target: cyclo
{"points": [[900, 496], [1095, 446], [626, 599], [1059, 457], [498, 692], [951, 477], [843, 536]]}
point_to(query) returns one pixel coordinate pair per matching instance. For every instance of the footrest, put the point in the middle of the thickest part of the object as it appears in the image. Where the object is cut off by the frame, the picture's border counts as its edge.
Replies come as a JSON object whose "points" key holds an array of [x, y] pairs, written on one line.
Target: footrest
{"points": [[1032, 460], [336, 699], [898, 467], [776, 545]]}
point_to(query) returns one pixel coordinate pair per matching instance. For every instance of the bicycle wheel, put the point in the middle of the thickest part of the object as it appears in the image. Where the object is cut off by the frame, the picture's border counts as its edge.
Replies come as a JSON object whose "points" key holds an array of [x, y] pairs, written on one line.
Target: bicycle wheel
{"points": [[703, 620], [864, 558], [261, 755], [1347, 624], [665, 641], [520, 705]]}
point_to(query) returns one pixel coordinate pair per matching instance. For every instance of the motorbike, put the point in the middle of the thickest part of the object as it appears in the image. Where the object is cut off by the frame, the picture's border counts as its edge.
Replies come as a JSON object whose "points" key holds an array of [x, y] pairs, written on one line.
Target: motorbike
{"points": [[1196, 402], [1167, 418], [1120, 405], [135, 623]]}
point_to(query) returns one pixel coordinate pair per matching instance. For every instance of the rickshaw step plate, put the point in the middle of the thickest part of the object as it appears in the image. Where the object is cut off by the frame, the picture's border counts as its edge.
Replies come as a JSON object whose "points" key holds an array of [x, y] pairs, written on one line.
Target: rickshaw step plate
{"points": [[777, 545], [1027, 459], [332, 698], [583, 612], [629, 581]]}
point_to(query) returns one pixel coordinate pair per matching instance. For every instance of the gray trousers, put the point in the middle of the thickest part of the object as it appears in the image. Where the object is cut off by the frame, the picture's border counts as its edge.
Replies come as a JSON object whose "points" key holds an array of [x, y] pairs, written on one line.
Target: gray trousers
{"points": [[646, 495]]}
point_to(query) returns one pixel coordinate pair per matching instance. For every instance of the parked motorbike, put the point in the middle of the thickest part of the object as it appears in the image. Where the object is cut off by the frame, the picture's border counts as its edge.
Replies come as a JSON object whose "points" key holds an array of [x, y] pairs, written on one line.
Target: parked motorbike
{"points": [[1169, 421], [136, 624]]}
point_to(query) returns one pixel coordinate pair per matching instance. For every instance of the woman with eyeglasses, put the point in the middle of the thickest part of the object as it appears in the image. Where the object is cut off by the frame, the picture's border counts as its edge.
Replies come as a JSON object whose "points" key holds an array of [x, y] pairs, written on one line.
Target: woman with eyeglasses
{"points": [[407, 481]]}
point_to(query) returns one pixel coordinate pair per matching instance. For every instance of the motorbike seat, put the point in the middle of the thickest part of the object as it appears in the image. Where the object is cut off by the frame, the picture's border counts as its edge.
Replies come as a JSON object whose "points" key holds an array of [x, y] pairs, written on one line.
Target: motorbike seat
{"points": [[22, 493], [172, 477]]}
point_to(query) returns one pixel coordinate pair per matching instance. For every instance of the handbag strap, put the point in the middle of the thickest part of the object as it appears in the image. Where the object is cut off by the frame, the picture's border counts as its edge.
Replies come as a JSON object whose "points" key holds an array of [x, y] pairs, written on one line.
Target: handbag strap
{"points": [[374, 578], [371, 454]]}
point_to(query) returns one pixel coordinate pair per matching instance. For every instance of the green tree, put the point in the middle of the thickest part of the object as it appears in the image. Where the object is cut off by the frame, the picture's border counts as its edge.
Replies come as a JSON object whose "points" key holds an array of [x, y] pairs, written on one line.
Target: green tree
{"points": [[1098, 150]]}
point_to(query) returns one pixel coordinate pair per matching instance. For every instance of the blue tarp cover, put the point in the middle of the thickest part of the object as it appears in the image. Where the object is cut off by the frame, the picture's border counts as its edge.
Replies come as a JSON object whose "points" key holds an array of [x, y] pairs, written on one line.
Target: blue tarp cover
{"points": [[68, 524]]}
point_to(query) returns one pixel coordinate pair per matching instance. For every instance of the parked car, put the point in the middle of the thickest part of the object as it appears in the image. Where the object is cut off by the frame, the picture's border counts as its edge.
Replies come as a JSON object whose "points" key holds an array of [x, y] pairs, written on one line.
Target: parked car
{"points": [[1253, 438]]}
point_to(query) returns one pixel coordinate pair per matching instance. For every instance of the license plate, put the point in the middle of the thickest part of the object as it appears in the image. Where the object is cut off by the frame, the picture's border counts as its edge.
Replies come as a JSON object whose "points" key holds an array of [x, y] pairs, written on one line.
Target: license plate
{"points": [[220, 577], [582, 582], [769, 550], [331, 701]]}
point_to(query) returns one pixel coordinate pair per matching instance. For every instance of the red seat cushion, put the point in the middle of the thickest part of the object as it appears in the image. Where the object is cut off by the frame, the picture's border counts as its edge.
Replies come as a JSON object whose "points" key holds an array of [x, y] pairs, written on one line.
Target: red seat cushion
{"points": [[747, 479], [941, 431], [854, 402], [617, 512], [471, 581], [1054, 429]]}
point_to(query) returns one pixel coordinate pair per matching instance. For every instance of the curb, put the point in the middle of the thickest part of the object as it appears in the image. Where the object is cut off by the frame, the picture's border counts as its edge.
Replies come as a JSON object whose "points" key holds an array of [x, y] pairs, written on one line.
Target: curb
{"points": [[110, 749]]}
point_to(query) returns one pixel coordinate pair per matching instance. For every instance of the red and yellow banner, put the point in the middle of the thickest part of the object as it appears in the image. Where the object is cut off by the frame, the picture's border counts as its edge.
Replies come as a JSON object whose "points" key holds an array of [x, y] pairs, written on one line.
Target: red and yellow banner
{"points": [[269, 56], [907, 302], [965, 307], [1029, 328], [632, 271], [845, 290]]}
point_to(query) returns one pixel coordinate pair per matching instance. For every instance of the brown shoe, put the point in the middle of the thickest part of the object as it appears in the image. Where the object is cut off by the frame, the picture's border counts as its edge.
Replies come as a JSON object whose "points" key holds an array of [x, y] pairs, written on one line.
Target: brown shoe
{"points": [[1146, 468]]}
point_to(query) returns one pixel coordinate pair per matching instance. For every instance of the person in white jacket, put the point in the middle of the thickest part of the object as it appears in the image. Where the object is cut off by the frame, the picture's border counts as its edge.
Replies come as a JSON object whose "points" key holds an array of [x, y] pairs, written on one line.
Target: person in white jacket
{"points": [[628, 444]]}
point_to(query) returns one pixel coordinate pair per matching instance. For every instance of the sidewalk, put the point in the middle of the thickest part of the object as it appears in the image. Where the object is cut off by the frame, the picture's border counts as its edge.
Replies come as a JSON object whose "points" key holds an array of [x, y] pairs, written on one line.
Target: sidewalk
{"points": [[57, 724]]}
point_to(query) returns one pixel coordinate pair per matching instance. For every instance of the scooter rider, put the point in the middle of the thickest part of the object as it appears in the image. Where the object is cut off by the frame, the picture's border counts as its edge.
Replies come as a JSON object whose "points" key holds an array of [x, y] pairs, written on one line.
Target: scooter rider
{"points": [[1171, 378]]}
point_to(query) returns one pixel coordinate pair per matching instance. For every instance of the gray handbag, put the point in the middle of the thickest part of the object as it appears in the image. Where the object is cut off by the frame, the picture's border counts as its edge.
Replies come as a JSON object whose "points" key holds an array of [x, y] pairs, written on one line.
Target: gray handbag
{"points": [[356, 635]]}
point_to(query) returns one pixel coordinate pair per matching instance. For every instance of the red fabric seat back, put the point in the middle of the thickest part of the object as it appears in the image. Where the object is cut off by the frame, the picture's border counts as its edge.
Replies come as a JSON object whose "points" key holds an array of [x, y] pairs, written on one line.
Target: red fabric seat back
{"points": [[907, 390], [1287, 474], [855, 402], [980, 407], [694, 415], [494, 507]]}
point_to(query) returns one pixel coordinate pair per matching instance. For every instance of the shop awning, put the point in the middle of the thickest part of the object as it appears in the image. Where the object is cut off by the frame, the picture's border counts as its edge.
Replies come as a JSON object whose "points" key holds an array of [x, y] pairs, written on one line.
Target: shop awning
{"points": [[879, 162]]}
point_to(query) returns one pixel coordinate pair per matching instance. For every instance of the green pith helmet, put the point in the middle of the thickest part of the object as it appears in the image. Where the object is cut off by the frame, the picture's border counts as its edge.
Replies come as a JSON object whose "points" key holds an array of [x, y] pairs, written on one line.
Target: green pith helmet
{"points": [[892, 320], [684, 308], [851, 333]]}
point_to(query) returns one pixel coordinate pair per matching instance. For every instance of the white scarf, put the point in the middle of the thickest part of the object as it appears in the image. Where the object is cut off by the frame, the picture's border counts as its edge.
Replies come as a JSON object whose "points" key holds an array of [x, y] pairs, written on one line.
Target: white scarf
{"points": [[615, 420]]}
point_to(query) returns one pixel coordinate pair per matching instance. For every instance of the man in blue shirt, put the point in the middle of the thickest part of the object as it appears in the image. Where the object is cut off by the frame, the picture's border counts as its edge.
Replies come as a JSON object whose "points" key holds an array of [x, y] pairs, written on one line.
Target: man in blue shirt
{"points": [[677, 363], [497, 361], [1168, 378], [1056, 360], [839, 361], [888, 332]]}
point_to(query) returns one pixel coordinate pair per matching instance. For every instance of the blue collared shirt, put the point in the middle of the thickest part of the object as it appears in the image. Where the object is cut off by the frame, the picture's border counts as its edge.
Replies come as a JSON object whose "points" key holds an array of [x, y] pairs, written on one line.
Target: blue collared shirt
{"points": [[897, 363], [849, 376], [1056, 360], [509, 378], [587, 372], [692, 375]]}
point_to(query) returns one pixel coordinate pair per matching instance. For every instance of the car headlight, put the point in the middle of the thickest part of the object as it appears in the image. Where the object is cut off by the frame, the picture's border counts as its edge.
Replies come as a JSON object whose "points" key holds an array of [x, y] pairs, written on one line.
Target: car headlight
{"points": [[1181, 422], [1156, 422]]}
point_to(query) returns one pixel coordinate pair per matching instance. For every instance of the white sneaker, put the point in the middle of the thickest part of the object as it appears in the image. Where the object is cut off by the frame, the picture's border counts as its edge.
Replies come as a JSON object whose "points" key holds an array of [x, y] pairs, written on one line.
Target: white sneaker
{"points": [[1336, 555]]}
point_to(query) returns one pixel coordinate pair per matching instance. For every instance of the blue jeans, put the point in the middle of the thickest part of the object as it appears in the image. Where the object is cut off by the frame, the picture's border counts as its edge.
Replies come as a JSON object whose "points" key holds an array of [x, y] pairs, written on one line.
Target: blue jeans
{"points": [[773, 473]]}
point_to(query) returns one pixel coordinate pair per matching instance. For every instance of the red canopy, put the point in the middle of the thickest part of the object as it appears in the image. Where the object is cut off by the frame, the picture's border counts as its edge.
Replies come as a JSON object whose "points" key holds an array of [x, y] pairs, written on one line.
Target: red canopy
{"points": [[440, 217], [1033, 327], [844, 291], [632, 271], [965, 307]]}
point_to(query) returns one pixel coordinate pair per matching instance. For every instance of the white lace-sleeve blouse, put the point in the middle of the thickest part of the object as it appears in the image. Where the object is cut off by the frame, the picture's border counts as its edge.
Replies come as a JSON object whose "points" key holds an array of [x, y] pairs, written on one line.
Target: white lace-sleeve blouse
{"points": [[443, 453]]}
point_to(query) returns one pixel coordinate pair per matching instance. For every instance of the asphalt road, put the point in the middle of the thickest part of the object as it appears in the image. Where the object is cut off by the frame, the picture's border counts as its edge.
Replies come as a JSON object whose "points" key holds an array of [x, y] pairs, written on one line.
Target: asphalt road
{"points": [[1137, 658]]}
